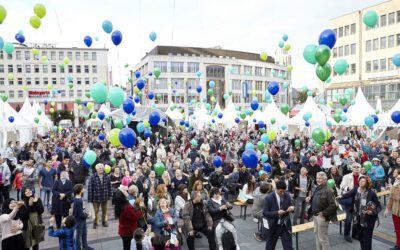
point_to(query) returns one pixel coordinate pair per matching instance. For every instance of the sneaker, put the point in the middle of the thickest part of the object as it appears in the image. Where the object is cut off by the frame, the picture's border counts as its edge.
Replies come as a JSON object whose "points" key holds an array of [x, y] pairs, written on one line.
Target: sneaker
{"points": [[258, 238], [348, 239], [255, 220], [94, 225], [105, 224]]}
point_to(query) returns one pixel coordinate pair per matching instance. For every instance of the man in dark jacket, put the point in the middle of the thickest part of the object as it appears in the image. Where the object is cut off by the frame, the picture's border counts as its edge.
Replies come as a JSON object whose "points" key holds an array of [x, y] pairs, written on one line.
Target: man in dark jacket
{"points": [[197, 219], [323, 209], [78, 171], [99, 192]]}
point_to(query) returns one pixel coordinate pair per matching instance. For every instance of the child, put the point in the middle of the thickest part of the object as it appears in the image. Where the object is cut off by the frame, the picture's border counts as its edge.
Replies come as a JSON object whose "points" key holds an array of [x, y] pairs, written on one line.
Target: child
{"points": [[18, 184], [127, 179], [65, 234], [80, 215]]}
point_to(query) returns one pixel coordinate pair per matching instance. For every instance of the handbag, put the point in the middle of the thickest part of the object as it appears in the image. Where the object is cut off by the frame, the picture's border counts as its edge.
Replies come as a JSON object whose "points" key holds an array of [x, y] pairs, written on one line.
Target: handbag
{"points": [[39, 230], [228, 215]]}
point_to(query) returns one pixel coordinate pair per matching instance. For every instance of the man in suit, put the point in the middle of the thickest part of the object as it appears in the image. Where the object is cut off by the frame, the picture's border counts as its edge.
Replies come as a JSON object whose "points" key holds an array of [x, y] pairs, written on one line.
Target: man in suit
{"points": [[276, 210]]}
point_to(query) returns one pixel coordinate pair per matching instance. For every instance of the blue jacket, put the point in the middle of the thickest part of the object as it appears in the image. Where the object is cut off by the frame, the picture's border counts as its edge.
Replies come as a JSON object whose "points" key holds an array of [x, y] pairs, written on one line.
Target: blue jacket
{"points": [[159, 221], [65, 237], [376, 172]]}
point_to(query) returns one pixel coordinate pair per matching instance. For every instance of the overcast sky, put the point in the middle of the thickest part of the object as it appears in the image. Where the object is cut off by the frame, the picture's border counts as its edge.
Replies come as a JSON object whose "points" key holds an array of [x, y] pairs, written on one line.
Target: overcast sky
{"points": [[246, 25]]}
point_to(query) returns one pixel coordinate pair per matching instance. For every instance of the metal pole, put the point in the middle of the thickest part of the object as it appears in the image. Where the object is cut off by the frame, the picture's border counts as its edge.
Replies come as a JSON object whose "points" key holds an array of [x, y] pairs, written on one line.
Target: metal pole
{"points": [[131, 71]]}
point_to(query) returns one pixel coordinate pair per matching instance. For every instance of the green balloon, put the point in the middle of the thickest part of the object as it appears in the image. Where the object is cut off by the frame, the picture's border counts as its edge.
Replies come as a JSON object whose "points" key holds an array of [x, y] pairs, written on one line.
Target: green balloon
{"points": [[78, 101], [273, 120], [284, 108], [3, 13], [340, 66], [113, 161], [297, 142], [193, 142], [94, 115], [116, 96], [310, 93], [309, 53], [370, 18], [90, 157], [39, 10], [8, 48], [260, 146], [242, 115], [343, 100], [157, 72], [367, 165], [322, 54], [337, 117], [210, 92], [323, 72], [159, 168], [226, 96], [318, 135], [98, 92], [36, 120], [35, 22], [331, 183], [118, 124]]}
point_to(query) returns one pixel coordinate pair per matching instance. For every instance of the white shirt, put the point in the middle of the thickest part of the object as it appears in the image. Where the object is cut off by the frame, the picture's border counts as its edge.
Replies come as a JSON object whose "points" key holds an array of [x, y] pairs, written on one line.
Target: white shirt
{"points": [[278, 199], [6, 223]]}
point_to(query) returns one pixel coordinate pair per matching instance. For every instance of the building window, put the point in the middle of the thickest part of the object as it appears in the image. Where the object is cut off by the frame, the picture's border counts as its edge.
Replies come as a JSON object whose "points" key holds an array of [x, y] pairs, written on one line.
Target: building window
{"points": [[236, 69], [19, 81], [10, 82], [259, 85], [193, 67], [71, 93], [335, 30], [37, 68], [2, 68], [20, 94], [177, 67], [161, 65], [53, 68], [353, 28], [45, 80], [375, 44], [45, 69], [54, 81], [383, 64], [340, 51], [347, 50], [94, 56], [177, 83], [44, 53], [69, 54], [53, 55], [94, 69], [77, 55], [192, 83], [70, 69], [27, 69], [368, 66], [79, 94], [11, 93], [37, 80], [398, 16], [18, 55], [86, 68], [383, 20], [375, 65], [383, 42], [62, 93], [87, 80], [9, 56], [268, 72], [390, 41], [61, 55], [334, 52], [86, 56], [236, 84], [28, 81], [347, 30], [259, 71], [340, 31], [10, 68], [398, 39], [390, 65], [27, 55], [353, 49], [19, 68], [78, 80], [391, 18], [248, 70], [1, 81], [161, 83], [62, 80], [94, 80], [78, 68]]}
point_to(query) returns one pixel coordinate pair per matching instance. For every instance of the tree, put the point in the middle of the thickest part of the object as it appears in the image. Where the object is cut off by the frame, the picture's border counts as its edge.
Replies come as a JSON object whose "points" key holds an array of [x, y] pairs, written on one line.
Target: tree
{"points": [[302, 96], [59, 115]]}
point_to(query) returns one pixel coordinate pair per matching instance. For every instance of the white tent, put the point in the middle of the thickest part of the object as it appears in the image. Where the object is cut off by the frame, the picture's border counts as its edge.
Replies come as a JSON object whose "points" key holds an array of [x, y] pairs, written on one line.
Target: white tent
{"points": [[200, 117], [379, 105], [43, 117], [357, 113], [318, 117], [27, 111], [174, 114], [229, 115], [272, 111], [385, 119]]}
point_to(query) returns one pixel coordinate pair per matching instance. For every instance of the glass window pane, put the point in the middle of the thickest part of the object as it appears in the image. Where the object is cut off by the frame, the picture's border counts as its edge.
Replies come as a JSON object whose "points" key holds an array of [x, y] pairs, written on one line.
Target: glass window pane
{"points": [[383, 20]]}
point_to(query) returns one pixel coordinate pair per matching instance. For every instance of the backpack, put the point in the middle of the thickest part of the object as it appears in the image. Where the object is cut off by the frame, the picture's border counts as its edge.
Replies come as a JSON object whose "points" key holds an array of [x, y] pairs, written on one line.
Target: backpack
{"points": [[228, 242]]}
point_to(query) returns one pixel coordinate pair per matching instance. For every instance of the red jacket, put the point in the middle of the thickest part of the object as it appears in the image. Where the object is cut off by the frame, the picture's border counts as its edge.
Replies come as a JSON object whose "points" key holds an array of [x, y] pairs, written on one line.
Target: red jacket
{"points": [[128, 220], [18, 181]]}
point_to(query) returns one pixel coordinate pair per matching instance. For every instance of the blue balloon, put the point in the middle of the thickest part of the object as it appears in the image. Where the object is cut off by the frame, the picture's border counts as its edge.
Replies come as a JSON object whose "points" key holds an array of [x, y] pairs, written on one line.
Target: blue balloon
{"points": [[85, 103], [199, 73], [306, 117], [328, 38], [102, 136], [116, 37], [127, 137], [264, 157], [395, 117], [369, 121], [137, 74], [20, 38], [136, 99], [211, 84], [254, 120], [284, 127], [147, 133], [217, 161], [154, 118], [45, 102], [345, 110], [182, 122], [267, 167], [329, 123], [88, 41], [220, 115], [250, 158], [150, 73], [101, 115], [261, 124], [133, 112], [187, 124], [237, 120], [198, 89], [153, 36], [151, 95], [254, 105], [87, 165], [1, 43], [128, 106], [307, 124], [264, 138], [396, 60], [164, 119], [376, 119], [248, 146], [140, 127], [11, 119], [213, 120], [273, 88], [285, 37], [59, 91], [107, 26], [140, 84]]}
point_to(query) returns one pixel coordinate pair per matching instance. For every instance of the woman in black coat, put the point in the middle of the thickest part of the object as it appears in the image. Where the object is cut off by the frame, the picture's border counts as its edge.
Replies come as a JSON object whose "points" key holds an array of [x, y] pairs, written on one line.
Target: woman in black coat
{"points": [[62, 198], [366, 207]]}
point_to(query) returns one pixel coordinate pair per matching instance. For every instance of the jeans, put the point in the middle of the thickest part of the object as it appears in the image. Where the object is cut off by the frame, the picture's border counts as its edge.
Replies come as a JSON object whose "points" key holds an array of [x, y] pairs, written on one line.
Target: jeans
{"points": [[45, 196], [349, 218], [81, 234], [299, 210]]}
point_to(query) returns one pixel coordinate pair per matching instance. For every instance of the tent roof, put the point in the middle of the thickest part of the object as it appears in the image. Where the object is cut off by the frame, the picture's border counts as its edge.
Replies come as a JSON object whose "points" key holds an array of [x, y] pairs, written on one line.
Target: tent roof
{"points": [[19, 121], [174, 114], [43, 117], [357, 113], [385, 119], [318, 117], [272, 111]]}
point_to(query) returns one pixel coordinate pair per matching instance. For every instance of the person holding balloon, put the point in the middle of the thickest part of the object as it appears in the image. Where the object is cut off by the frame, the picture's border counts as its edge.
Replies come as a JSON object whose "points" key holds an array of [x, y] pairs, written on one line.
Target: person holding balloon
{"points": [[377, 174]]}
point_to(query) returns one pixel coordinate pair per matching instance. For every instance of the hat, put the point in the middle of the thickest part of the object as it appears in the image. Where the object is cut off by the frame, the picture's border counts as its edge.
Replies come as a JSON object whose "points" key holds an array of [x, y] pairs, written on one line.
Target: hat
{"points": [[376, 159], [281, 185]]}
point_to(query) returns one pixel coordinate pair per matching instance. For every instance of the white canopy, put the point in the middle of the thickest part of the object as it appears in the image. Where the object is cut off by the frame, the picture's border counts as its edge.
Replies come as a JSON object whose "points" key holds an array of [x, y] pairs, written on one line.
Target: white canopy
{"points": [[43, 117], [318, 117], [174, 114], [272, 111], [200, 116], [357, 113], [27, 111], [229, 114], [385, 119]]}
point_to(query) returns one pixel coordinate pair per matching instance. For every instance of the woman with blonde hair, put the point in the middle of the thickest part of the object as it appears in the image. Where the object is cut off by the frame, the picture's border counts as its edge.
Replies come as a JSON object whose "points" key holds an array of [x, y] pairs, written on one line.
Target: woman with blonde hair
{"points": [[123, 166], [166, 179], [161, 192]]}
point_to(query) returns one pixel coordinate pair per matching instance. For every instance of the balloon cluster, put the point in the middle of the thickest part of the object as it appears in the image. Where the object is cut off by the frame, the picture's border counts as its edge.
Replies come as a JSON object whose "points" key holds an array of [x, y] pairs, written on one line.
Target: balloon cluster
{"points": [[116, 35]]}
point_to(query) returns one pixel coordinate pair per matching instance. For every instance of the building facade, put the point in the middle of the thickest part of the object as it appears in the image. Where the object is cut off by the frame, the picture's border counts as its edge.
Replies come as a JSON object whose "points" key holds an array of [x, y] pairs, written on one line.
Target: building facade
{"points": [[24, 74], [369, 53], [242, 74]]}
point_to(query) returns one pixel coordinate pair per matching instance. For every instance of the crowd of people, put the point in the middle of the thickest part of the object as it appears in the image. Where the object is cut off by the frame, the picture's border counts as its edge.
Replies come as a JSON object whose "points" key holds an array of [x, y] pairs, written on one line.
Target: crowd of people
{"points": [[166, 190]]}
